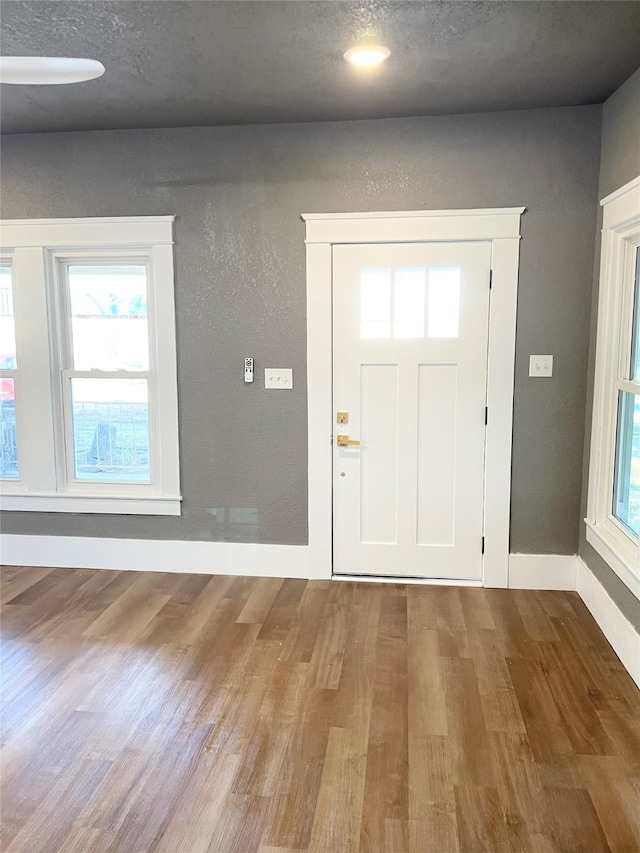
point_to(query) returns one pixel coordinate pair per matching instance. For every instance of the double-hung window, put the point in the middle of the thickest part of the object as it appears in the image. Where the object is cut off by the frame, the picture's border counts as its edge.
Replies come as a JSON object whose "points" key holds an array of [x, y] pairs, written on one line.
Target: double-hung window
{"points": [[613, 523], [88, 402]]}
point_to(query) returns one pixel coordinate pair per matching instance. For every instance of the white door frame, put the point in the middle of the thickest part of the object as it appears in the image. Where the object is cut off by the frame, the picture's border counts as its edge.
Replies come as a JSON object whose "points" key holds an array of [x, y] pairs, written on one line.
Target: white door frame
{"points": [[501, 227]]}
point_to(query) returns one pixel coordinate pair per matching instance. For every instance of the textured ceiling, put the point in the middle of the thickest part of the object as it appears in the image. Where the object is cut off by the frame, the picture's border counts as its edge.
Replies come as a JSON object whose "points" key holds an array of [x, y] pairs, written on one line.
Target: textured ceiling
{"points": [[172, 63]]}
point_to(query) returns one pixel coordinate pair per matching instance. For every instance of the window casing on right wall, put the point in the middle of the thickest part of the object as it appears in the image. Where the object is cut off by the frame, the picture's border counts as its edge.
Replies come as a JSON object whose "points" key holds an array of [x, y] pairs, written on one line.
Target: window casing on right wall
{"points": [[613, 513]]}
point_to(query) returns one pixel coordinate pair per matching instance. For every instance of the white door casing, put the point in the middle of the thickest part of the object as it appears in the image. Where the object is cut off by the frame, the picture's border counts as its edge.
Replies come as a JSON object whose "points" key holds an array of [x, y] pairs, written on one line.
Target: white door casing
{"points": [[500, 227], [411, 379]]}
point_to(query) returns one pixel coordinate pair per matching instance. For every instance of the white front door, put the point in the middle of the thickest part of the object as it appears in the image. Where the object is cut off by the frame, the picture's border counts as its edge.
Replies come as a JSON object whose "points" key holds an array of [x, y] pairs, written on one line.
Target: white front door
{"points": [[410, 333]]}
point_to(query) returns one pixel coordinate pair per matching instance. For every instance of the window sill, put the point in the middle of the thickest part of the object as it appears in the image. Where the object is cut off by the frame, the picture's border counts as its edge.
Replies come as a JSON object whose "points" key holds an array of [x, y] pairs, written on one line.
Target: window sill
{"points": [[85, 504], [620, 557]]}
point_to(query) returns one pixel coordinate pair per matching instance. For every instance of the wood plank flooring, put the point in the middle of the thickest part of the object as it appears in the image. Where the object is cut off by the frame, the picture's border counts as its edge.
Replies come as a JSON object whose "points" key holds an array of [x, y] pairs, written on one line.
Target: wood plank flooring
{"points": [[195, 714]]}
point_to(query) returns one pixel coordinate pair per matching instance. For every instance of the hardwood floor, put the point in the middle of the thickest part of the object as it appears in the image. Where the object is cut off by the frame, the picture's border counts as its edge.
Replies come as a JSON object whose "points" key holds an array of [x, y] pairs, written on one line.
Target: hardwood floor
{"points": [[186, 713]]}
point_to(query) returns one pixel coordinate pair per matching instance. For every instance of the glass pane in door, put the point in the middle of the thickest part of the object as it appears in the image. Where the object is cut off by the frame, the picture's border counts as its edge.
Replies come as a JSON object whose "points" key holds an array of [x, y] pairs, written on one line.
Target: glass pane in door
{"points": [[375, 303], [443, 309], [408, 303]]}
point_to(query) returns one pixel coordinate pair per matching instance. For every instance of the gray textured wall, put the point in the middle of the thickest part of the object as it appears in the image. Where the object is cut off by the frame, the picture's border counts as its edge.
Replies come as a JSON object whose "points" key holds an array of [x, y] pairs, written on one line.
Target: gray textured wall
{"points": [[620, 152], [620, 163], [237, 194]]}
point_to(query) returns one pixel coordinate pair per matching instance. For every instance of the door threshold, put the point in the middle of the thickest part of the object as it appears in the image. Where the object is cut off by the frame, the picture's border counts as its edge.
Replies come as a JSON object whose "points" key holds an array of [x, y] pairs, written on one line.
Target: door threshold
{"points": [[398, 579]]}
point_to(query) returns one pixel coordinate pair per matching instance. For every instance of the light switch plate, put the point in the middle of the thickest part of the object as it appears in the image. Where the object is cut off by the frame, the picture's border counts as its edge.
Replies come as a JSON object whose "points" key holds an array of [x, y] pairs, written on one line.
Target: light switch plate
{"points": [[540, 365], [278, 377]]}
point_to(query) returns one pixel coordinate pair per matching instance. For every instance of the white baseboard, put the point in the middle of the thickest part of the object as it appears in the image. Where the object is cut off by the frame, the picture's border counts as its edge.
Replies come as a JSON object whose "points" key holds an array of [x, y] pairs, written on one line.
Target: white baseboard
{"points": [[526, 571], [153, 555], [542, 571], [623, 637]]}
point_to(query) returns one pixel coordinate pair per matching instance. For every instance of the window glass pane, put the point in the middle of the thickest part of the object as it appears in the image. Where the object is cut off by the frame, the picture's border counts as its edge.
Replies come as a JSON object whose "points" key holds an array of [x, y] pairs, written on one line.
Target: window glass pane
{"points": [[7, 327], [408, 303], [109, 317], [8, 448], [375, 303], [110, 429], [635, 341], [626, 490], [444, 302]]}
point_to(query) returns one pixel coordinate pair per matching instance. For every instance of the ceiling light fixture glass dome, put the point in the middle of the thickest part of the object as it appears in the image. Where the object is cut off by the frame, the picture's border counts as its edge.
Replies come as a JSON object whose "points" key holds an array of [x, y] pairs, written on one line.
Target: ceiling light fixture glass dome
{"points": [[48, 70]]}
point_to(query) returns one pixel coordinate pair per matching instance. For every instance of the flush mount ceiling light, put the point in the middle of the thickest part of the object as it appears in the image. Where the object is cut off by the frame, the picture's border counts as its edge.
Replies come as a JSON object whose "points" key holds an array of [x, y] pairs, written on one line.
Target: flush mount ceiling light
{"points": [[372, 54], [48, 70]]}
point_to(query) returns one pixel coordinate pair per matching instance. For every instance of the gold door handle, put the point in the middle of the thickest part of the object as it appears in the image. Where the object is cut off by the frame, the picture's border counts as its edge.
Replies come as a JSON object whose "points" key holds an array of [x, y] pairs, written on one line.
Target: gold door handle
{"points": [[345, 441]]}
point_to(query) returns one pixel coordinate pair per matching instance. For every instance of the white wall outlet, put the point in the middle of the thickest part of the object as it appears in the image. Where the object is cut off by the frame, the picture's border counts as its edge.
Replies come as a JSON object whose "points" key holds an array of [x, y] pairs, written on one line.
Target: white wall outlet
{"points": [[278, 377], [540, 365]]}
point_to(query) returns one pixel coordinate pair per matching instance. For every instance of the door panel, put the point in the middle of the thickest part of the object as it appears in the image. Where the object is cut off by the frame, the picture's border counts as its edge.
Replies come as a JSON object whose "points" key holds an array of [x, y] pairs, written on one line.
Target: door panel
{"points": [[410, 360], [379, 465], [437, 422]]}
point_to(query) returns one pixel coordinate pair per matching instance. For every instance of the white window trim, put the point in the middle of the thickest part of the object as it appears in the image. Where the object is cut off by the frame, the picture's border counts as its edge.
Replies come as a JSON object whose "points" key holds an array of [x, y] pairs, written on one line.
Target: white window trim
{"points": [[35, 247], [501, 227], [620, 237]]}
